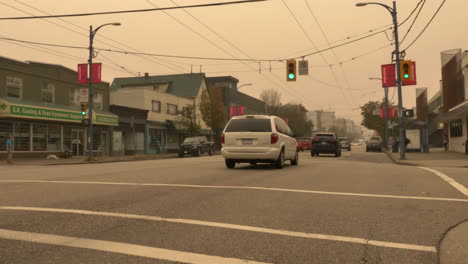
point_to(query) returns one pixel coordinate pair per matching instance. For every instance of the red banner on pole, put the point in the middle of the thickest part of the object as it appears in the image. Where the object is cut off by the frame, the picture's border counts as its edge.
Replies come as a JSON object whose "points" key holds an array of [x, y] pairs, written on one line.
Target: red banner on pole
{"points": [[233, 111], [389, 75], [391, 113], [82, 73], [96, 68], [241, 110]]}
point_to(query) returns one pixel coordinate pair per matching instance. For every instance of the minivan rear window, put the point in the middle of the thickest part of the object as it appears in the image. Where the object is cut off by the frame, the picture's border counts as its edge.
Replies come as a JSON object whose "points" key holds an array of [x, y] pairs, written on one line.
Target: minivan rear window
{"points": [[249, 125]]}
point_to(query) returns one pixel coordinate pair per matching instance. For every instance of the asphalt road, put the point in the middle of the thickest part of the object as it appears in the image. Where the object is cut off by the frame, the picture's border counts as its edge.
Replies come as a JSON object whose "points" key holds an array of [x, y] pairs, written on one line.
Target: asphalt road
{"points": [[359, 208]]}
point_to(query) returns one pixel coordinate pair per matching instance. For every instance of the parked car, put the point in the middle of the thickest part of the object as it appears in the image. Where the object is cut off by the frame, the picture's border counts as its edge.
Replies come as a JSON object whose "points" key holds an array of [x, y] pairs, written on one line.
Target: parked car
{"points": [[325, 143], [195, 146], [345, 143], [374, 145], [258, 139], [305, 143], [376, 138]]}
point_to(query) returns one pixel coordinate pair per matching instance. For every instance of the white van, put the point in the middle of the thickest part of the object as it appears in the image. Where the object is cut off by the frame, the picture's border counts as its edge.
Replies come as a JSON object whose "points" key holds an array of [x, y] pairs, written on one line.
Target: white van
{"points": [[258, 139]]}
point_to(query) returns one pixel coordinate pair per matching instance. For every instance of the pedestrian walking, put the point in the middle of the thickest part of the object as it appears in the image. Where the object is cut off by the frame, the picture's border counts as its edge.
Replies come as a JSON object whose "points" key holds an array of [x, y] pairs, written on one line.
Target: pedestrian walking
{"points": [[445, 142], [9, 149]]}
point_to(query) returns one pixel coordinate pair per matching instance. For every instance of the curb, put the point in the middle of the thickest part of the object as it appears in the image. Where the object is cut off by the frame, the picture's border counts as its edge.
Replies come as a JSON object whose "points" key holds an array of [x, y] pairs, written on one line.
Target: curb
{"points": [[108, 161], [443, 236], [398, 162]]}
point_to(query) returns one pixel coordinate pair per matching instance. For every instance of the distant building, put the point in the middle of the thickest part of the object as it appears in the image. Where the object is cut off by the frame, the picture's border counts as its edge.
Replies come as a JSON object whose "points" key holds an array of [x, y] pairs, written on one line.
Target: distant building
{"points": [[323, 121]]}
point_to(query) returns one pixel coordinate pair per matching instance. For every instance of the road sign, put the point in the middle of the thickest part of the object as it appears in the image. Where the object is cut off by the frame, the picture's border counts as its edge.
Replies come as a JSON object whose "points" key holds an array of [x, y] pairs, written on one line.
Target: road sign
{"points": [[84, 95], [304, 67]]}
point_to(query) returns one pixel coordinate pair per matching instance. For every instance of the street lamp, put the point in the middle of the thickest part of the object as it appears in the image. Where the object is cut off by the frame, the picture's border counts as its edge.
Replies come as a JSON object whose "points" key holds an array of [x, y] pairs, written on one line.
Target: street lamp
{"points": [[92, 33], [237, 104], [386, 112], [393, 12]]}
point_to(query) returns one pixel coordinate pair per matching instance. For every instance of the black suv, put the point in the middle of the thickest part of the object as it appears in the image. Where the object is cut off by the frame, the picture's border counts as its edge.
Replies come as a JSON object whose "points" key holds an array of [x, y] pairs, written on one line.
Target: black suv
{"points": [[325, 143], [195, 146]]}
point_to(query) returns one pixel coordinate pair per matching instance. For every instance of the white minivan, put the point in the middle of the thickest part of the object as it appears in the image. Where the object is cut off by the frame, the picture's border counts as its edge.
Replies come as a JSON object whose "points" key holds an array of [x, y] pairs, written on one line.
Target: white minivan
{"points": [[258, 139]]}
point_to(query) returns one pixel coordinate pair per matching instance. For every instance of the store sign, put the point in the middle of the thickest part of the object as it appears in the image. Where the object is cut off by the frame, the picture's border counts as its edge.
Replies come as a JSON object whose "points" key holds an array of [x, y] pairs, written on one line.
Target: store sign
{"points": [[44, 113], [25, 111]]}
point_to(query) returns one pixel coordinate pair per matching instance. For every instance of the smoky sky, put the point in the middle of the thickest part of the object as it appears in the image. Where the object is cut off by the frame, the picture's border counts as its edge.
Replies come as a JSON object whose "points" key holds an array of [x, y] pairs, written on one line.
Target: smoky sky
{"points": [[265, 30]]}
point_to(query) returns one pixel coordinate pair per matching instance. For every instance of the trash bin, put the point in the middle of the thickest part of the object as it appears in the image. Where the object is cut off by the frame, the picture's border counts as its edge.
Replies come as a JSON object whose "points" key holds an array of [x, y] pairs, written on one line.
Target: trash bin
{"points": [[395, 147]]}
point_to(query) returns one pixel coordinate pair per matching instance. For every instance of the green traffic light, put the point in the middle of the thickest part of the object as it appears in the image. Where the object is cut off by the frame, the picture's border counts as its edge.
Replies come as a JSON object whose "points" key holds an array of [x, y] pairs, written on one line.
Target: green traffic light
{"points": [[83, 113], [406, 76], [291, 76]]}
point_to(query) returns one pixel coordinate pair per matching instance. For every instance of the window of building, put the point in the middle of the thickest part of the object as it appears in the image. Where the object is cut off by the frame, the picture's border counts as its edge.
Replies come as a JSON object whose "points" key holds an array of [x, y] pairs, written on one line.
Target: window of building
{"points": [[53, 138], [21, 132], [74, 96], [14, 87], [156, 106], [39, 137], [48, 92], [172, 109], [456, 128]]}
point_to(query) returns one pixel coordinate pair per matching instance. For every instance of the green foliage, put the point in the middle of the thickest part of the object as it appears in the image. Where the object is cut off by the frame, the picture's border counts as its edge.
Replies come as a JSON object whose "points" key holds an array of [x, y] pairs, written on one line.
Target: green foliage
{"points": [[188, 119], [212, 108], [374, 122]]}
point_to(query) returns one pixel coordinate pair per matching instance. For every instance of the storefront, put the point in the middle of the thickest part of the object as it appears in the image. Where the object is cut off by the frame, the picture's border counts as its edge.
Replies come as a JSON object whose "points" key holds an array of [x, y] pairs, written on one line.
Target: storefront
{"points": [[156, 137], [39, 128]]}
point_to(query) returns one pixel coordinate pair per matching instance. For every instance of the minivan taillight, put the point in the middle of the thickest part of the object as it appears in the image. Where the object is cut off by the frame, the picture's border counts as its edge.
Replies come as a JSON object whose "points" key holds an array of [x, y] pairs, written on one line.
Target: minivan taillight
{"points": [[222, 139], [274, 138]]}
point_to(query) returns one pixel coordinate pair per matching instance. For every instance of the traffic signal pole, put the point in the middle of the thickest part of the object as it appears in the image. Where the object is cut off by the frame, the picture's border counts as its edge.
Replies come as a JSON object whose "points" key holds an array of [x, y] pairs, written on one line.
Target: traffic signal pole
{"points": [[90, 96], [398, 75]]}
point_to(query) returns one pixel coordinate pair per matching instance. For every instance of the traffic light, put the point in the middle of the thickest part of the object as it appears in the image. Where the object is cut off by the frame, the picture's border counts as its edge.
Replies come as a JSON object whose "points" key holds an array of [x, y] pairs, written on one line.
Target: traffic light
{"points": [[84, 109], [291, 70], [406, 70]]}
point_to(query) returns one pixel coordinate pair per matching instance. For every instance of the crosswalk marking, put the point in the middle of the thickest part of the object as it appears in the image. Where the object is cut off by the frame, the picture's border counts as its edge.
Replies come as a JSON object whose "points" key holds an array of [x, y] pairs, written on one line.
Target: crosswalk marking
{"points": [[121, 248], [232, 226], [242, 188]]}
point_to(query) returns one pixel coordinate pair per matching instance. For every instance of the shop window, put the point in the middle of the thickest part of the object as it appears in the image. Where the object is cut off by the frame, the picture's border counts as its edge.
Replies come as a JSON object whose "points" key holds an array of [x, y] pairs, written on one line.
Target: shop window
{"points": [[6, 129], [67, 138], [53, 138], [97, 138], [48, 92], [14, 87], [156, 106], [172, 109], [21, 132], [456, 128], [39, 137]]}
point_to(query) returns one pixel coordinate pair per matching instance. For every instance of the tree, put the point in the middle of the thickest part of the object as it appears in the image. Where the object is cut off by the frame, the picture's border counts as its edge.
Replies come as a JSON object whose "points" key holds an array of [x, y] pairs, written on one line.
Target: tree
{"points": [[187, 117], [272, 99], [374, 122], [297, 119], [212, 108]]}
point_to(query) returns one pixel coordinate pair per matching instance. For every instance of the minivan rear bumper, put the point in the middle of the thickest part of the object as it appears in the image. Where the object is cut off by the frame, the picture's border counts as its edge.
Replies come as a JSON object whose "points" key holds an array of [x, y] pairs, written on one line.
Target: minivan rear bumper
{"points": [[250, 154]]}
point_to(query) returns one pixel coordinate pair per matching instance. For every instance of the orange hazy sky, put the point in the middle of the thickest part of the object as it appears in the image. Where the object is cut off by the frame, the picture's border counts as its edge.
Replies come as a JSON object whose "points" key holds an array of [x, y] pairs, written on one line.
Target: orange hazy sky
{"points": [[264, 30]]}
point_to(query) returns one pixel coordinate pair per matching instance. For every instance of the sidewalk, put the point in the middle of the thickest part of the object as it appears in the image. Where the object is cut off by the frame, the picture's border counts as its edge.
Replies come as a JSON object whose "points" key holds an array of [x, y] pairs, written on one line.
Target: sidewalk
{"points": [[453, 249], [81, 160], [437, 157]]}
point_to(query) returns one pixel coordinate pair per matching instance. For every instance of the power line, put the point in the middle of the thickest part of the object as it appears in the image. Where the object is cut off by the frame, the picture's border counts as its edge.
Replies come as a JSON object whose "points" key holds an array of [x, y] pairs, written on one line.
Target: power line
{"points": [[424, 29], [132, 11], [414, 21], [412, 12], [175, 67]]}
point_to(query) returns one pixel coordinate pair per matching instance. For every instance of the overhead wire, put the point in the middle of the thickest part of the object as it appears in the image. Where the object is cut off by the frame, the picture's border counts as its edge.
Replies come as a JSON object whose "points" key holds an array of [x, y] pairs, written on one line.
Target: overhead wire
{"points": [[414, 21], [133, 11], [427, 25], [172, 67]]}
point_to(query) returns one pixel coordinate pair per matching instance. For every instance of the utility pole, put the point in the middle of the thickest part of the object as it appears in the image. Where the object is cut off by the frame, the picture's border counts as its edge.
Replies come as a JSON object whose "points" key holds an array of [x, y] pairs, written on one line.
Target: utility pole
{"points": [[393, 12]]}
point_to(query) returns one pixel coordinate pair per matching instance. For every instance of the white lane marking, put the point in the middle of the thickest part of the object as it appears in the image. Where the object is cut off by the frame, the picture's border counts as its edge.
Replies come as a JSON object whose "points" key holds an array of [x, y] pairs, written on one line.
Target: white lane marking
{"points": [[243, 188], [231, 226], [449, 180], [121, 248]]}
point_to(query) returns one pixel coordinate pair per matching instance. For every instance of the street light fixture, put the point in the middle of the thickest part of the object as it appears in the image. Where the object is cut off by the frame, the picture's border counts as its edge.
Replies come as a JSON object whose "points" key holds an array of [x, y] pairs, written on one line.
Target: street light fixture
{"points": [[92, 33], [247, 84], [393, 12]]}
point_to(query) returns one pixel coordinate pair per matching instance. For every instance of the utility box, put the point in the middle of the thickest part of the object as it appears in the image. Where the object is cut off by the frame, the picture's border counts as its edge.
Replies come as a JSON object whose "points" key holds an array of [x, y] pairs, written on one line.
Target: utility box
{"points": [[414, 135]]}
